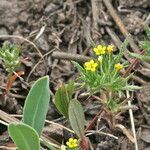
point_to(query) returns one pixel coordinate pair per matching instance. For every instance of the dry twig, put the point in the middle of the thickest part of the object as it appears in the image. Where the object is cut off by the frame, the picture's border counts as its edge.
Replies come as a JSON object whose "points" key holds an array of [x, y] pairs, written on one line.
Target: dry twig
{"points": [[67, 56]]}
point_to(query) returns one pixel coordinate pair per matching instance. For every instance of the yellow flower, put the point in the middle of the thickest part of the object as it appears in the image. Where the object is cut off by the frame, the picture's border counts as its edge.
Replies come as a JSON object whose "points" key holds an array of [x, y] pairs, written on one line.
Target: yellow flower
{"points": [[100, 59], [72, 143], [91, 65], [99, 50], [110, 49], [118, 66]]}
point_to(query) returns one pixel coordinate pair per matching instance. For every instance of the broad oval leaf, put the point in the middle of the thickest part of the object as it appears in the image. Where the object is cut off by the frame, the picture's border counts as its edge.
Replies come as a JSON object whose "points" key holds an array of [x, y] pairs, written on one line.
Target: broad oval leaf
{"points": [[36, 104], [24, 136], [76, 117]]}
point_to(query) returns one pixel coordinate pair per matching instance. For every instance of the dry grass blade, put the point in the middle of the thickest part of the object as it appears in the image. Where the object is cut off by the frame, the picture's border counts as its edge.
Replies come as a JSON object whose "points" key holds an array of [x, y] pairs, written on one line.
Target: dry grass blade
{"points": [[42, 58], [90, 132], [132, 121], [126, 132], [7, 148]]}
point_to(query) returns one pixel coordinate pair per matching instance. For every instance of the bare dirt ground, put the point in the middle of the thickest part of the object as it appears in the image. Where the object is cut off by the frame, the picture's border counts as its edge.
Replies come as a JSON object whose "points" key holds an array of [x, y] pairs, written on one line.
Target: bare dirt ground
{"points": [[69, 26]]}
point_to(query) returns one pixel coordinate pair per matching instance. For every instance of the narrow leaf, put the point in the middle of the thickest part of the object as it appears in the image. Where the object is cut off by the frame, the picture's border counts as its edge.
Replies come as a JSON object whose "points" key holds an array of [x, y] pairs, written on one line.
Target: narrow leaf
{"points": [[36, 104], [61, 101], [81, 70], [70, 89], [24, 136], [63, 96], [76, 117]]}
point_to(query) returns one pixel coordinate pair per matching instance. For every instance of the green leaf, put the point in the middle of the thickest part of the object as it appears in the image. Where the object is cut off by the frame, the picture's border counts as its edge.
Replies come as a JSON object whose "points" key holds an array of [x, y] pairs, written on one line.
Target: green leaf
{"points": [[142, 57], [70, 89], [131, 87], [36, 104], [24, 136], [63, 96], [76, 117], [49, 145], [113, 105], [81, 70], [122, 50]]}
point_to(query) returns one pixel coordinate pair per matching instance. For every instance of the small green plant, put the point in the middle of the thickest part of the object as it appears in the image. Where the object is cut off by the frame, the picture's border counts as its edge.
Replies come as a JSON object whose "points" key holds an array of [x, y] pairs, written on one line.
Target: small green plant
{"points": [[98, 75], [10, 54], [102, 74], [145, 45], [73, 111]]}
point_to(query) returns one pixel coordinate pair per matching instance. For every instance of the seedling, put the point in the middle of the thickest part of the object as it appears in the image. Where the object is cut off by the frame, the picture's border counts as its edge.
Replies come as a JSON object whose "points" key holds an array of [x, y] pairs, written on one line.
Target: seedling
{"points": [[10, 55]]}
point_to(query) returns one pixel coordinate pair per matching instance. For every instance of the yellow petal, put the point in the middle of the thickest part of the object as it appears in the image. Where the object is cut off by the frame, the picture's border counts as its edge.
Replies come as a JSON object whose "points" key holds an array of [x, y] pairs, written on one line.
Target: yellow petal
{"points": [[93, 69], [104, 48], [86, 64], [67, 143], [70, 140], [71, 146], [99, 47], [75, 140], [95, 49], [75, 145], [91, 61], [95, 65]]}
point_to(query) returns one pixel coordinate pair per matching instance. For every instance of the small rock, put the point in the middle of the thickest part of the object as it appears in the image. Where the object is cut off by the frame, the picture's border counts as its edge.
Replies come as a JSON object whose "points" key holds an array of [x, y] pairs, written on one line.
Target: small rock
{"points": [[51, 8], [42, 43], [3, 31], [145, 135], [23, 17]]}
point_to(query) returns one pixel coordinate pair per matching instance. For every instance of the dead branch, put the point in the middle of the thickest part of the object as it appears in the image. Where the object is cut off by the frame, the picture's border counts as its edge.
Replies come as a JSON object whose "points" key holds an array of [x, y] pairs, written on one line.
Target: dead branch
{"points": [[69, 56]]}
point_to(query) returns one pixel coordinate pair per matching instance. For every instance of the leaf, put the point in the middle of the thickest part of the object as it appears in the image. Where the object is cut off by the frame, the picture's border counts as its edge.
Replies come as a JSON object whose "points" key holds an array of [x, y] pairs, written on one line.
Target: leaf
{"points": [[76, 117], [142, 57], [70, 88], [122, 49], [36, 104], [81, 70], [49, 145], [24, 136], [131, 87], [63, 96], [61, 101]]}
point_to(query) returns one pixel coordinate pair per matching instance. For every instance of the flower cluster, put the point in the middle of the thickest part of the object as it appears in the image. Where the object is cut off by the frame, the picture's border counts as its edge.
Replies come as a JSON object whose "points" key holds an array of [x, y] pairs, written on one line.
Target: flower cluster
{"points": [[72, 143], [100, 51]]}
